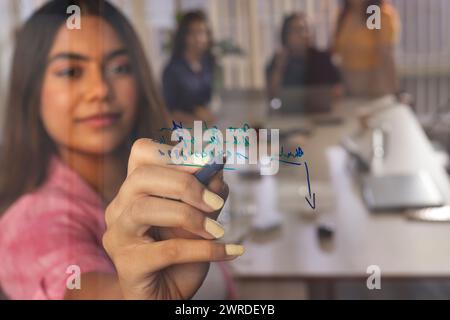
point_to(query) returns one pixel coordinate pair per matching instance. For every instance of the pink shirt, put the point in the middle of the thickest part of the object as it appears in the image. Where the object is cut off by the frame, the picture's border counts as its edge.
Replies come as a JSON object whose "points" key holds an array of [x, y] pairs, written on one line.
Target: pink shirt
{"points": [[45, 232]]}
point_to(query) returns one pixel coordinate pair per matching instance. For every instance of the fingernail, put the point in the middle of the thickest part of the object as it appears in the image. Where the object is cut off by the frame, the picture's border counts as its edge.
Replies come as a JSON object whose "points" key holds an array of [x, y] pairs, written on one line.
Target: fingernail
{"points": [[212, 200], [234, 250], [214, 228]]}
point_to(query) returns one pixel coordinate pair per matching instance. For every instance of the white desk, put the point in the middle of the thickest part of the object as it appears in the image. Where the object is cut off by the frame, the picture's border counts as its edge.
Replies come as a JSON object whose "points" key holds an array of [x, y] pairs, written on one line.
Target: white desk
{"points": [[401, 248]]}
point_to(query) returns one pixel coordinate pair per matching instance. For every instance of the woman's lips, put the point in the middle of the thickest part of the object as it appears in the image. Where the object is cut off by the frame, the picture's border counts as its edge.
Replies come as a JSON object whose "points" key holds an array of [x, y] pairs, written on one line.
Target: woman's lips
{"points": [[101, 120]]}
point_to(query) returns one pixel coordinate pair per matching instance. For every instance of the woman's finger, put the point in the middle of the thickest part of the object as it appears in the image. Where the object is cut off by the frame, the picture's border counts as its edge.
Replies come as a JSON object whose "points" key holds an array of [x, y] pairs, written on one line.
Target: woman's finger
{"points": [[150, 211], [149, 152], [167, 183], [146, 152], [163, 254]]}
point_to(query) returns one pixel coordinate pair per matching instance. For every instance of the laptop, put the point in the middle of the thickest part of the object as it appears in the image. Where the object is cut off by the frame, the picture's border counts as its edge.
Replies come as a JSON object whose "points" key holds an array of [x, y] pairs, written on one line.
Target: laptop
{"points": [[306, 100], [400, 192]]}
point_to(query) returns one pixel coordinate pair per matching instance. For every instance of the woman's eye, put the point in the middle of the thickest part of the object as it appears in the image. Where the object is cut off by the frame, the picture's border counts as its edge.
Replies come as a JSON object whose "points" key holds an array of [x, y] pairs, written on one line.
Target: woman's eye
{"points": [[69, 73], [120, 69]]}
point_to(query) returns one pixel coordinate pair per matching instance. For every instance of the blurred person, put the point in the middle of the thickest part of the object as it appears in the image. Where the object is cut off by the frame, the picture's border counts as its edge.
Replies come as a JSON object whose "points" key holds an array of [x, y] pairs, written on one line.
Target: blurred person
{"points": [[82, 186], [189, 75], [298, 63], [367, 56]]}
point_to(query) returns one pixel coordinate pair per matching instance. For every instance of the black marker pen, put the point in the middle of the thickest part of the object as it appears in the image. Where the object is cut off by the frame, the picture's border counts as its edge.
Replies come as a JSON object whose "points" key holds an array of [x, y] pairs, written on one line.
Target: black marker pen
{"points": [[205, 174]]}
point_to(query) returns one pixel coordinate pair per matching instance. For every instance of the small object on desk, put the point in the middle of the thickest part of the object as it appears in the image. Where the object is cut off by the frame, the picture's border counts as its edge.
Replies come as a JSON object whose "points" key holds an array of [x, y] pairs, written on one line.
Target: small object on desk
{"points": [[267, 215], [441, 214], [325, 235], [325, 232], [399, 192]]}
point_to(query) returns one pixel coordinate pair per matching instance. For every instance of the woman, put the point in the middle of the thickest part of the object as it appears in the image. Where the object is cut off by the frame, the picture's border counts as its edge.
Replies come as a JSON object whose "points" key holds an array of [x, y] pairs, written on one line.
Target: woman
{"points": [[85, 194], [188, 77], [367, 55], [298, 63]]}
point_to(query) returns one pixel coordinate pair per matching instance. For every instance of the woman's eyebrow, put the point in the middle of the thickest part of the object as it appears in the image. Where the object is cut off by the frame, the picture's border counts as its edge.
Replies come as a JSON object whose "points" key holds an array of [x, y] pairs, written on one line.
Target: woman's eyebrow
{"points": [[115, 53], [68, 55], [80, 57]]}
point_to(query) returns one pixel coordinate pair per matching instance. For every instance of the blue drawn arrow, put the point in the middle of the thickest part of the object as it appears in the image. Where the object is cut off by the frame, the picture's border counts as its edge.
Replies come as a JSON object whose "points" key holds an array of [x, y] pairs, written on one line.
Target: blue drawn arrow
{"points": [[309, 199]]}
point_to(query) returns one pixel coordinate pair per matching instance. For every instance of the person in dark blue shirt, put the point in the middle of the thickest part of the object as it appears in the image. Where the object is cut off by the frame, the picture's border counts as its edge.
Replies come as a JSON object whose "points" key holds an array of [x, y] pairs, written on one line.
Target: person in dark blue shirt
{"points": [[188, 77]]}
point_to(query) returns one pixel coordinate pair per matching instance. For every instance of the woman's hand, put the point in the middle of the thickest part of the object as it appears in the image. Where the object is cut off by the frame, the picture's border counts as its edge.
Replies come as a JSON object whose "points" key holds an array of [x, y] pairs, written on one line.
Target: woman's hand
{"points": [[161, 228]]}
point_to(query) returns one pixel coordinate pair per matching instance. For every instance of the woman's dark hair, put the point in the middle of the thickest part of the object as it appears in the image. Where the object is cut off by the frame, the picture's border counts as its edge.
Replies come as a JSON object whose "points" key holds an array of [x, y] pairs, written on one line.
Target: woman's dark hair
{"points": [[286, 27], [346, 6], [183, 28], [27, 148]]}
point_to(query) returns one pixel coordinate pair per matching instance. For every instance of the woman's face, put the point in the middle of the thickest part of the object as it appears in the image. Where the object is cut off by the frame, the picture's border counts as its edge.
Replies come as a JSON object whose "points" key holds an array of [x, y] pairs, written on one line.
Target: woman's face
{"points": [[197, 38], [298, 34], [89, 96]]}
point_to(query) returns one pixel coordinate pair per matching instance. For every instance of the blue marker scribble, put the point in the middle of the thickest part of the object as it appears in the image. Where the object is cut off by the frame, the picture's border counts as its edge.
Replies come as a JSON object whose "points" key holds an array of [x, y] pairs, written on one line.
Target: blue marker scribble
{"points": [[288, 157]]}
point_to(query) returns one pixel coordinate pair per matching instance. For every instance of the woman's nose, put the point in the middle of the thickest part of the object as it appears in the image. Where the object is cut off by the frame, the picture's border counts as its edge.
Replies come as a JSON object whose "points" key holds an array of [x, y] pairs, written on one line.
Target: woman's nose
{"points": [[97, 87]]}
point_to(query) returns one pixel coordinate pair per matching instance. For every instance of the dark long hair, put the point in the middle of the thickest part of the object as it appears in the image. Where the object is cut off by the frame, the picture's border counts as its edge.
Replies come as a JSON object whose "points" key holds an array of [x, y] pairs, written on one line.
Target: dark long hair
{"points": [[27, 147], [346, 9], [179, 39]]}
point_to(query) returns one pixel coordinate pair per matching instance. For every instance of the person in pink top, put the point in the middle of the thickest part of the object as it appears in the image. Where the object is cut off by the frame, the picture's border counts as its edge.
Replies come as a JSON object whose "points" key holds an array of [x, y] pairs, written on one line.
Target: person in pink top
{"points": [[90, 207]]}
